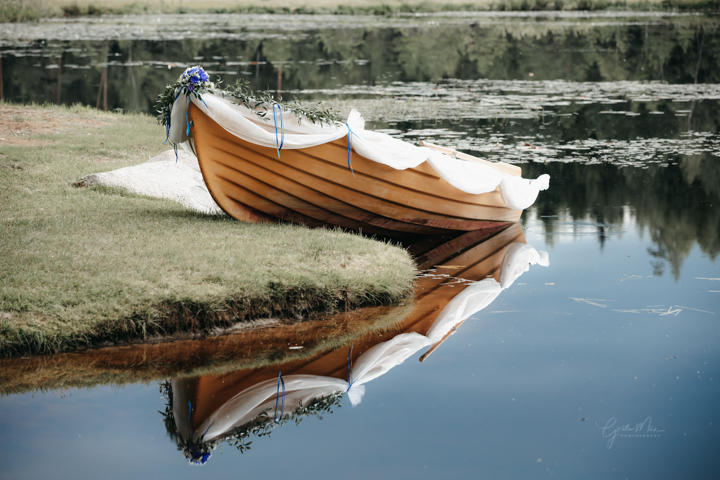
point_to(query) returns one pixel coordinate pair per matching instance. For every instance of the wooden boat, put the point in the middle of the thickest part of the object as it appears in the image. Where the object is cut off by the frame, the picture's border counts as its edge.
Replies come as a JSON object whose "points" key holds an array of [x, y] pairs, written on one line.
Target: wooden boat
{"points": [[314, 186]]}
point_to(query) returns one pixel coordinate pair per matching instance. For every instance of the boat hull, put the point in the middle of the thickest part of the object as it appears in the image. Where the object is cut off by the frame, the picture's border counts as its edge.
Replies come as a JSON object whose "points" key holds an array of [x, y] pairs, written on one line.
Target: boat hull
{"points": [[314, 186]]}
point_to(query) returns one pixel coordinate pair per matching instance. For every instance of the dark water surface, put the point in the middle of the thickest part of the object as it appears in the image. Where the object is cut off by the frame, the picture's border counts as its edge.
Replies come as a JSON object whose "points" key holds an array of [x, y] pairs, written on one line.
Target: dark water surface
{"points": [[602, 364]]}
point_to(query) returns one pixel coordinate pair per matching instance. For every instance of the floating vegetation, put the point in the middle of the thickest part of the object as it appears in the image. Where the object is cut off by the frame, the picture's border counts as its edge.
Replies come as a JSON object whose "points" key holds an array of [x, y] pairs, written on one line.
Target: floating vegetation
{"points": [[638, 152], [506, 99], [633, 123]]}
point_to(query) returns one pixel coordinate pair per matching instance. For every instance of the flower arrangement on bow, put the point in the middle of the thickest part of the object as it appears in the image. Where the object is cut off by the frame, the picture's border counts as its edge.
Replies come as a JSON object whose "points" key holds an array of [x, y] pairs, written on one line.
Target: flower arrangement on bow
{"points": [[195, 78], [193, 81]]}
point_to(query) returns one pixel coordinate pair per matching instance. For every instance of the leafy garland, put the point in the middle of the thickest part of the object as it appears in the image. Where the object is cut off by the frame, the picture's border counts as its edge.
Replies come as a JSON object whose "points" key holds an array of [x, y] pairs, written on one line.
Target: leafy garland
{"points": [[195, 81], [261, 102]]}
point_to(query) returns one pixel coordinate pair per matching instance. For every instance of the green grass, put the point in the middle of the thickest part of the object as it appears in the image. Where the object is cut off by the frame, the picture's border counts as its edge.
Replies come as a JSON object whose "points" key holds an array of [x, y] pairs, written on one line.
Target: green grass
{"points": [[82, 267], [28, 10]]}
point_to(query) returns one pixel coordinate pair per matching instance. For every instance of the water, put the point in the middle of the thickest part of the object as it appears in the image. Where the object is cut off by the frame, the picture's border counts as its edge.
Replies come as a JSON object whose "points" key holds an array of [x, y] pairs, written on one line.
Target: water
{"points": [[603, 364]]}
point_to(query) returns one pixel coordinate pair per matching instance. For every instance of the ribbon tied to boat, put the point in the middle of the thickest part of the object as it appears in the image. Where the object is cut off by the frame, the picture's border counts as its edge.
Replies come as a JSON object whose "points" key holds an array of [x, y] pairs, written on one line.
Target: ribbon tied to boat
{"points": [[280, 382], [349, 362], [278, 145], [349, 147]]}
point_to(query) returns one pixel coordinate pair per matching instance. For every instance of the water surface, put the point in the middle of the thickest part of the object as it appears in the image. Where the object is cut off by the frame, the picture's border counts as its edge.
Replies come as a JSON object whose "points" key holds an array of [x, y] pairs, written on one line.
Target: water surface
{"points": [[602, 364]]}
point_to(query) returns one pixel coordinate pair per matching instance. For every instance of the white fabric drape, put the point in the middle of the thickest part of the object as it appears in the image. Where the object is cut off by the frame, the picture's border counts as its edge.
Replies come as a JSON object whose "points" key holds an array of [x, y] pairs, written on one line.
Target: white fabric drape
{"points": [[471, 177]]}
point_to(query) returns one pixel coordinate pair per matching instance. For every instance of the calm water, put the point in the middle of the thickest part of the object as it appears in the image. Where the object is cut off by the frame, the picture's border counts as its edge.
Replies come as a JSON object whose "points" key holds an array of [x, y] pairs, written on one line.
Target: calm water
{"points": [[602, 364]]}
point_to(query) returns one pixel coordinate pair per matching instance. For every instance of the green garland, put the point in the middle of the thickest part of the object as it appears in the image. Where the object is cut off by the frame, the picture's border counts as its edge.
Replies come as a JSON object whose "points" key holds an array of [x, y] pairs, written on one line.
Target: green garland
{"points": [[261, 102]]}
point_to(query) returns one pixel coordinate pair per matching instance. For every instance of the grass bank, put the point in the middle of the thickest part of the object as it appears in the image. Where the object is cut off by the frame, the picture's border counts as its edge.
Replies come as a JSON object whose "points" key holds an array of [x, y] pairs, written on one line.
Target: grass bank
{"points": [[81, 267], [28, 10]]}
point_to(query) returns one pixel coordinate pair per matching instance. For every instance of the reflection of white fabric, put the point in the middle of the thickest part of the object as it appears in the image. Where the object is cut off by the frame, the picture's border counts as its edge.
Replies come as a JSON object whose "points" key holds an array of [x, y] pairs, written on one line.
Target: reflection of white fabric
{"points": [[518, 259], [470, 177], [376, 361], [386, 355], [468, 302], [247, 405]]}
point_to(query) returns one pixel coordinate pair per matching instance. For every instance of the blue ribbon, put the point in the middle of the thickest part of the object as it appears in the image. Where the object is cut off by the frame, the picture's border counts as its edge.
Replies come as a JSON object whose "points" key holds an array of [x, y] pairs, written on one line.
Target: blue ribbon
{"points": [[278, 146], [349, 360], [187, 117], [277, 398], [167, 128], [189, 410], [349, 148]]}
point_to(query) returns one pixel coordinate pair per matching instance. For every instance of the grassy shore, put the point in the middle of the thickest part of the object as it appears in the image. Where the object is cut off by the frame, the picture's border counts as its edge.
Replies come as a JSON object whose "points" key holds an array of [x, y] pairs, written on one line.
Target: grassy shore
{"points": [[81, 267], [28, 10]]}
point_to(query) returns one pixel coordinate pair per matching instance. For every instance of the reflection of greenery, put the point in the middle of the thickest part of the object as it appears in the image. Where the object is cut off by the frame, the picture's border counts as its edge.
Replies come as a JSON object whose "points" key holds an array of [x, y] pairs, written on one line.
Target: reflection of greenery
{"points": [[686, 50], [240, 437], [264, 425], [27, 10], [676, 205]]}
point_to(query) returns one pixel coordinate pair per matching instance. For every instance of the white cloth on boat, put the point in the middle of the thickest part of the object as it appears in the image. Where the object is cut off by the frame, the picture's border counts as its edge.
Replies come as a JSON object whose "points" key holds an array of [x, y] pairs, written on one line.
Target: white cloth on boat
{"points": [[294, 133]]}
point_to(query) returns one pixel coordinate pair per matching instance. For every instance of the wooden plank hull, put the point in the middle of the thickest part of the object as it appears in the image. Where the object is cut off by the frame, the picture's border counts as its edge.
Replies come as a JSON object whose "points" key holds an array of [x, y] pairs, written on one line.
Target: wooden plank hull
{"points": [[314, 186]]}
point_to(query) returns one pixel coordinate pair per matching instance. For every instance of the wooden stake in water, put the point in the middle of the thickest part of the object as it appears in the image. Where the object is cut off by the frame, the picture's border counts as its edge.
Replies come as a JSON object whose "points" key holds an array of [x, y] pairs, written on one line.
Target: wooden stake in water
{"points": [[105, 103], [102, 89], [279, 84], [59, 81]]}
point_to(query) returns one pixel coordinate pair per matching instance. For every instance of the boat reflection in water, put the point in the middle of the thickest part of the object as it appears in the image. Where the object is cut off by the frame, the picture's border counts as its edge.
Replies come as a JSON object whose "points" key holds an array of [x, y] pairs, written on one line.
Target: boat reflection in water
{"points": [[468, 274]]}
